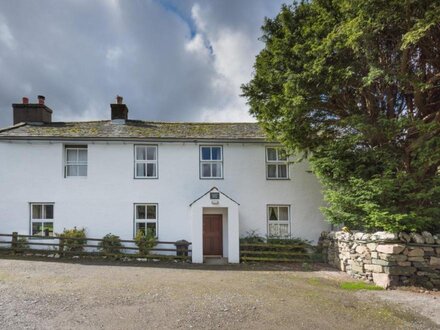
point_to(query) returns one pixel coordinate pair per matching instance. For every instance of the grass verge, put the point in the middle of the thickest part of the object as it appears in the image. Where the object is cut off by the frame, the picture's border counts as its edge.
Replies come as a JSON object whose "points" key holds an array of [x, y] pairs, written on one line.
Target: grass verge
{"points": [[354, 286]]}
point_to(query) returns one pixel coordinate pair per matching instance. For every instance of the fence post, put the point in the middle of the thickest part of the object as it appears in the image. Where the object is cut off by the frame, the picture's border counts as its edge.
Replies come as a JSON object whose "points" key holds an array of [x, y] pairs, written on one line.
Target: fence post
{"points": [[14, 242], [182, 248], [61, 247]]}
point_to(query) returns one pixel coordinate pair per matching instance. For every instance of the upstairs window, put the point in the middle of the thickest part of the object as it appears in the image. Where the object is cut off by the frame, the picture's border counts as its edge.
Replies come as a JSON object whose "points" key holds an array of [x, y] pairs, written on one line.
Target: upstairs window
{"points": [[278, 221], [145, 218], [76, 161], [42, 219], [211, 162], [276, 163], [145, 162]]}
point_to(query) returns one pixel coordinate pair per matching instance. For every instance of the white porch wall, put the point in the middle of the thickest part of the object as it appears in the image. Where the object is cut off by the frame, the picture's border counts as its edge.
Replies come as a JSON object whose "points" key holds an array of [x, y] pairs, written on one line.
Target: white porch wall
{"points": [[103, 201]]}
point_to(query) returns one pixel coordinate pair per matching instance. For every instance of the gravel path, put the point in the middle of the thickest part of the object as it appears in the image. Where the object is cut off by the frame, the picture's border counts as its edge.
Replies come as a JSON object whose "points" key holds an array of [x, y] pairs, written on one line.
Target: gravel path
{"points": [[54, 295]]}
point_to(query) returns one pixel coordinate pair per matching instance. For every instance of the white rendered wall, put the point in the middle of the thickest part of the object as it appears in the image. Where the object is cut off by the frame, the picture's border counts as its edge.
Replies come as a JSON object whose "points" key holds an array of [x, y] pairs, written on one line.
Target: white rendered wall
{"points": [[103, 201]]}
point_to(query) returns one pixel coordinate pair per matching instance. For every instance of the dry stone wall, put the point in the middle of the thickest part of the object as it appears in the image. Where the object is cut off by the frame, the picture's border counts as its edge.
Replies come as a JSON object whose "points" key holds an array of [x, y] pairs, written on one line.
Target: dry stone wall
{"points": [[387, 259]]}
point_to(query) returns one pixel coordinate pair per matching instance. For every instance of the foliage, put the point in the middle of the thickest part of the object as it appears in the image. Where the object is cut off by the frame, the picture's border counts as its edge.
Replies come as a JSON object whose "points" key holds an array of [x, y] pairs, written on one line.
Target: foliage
{"points": [[252, 236], [354, 286], [145, 242], [354, 86], [74, 239], [110, 244], [22, 243]]}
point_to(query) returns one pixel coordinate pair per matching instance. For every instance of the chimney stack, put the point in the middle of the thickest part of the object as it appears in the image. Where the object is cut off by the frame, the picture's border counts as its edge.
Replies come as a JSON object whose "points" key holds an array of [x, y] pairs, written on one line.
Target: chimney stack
{"points": [[119, 111], [37, 113]]}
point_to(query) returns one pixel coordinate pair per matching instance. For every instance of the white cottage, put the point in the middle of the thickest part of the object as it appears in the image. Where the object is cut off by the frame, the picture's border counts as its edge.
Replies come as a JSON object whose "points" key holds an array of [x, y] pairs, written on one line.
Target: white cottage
{"points": [[208, 183]]}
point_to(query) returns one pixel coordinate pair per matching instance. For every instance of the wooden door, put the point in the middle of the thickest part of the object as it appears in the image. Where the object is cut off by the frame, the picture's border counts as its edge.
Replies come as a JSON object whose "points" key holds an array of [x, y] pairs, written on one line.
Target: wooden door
{"points": [[212, 235]]}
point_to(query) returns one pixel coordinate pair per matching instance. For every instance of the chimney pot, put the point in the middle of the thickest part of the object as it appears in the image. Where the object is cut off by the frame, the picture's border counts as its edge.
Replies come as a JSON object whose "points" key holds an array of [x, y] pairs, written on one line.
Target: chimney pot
{"points": [[41, 99], [25, 100], [119, 99]]}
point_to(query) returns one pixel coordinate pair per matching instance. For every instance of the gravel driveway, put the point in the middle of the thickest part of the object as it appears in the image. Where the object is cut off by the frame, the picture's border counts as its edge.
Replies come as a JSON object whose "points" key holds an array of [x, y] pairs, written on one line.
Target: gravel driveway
{"points": [[67, 295]]}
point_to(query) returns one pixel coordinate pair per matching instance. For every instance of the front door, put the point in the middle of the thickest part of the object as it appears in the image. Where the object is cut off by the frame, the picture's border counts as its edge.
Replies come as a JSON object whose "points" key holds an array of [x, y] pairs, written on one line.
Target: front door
{"points": [[212, 235]]}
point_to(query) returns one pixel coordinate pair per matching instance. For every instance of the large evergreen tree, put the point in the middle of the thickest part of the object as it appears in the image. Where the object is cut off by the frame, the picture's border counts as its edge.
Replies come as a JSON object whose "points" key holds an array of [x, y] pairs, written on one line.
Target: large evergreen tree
{"points": [[354, 85]]}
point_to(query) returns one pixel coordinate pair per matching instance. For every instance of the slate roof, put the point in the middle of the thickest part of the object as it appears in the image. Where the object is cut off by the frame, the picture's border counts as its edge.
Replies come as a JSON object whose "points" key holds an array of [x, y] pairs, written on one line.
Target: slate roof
{"points": [[135, 130]]}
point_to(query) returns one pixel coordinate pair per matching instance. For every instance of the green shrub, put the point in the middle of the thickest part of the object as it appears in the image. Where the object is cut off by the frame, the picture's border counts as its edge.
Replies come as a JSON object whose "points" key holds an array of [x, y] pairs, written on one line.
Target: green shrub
{"points": [[22, 243], [110, 244], [145, 242], [74, 239], [252, 237]]}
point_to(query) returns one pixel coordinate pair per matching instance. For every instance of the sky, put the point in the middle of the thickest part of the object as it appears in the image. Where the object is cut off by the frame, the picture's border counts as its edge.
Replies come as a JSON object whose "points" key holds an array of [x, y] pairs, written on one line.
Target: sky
{"points": [[171, 60]]}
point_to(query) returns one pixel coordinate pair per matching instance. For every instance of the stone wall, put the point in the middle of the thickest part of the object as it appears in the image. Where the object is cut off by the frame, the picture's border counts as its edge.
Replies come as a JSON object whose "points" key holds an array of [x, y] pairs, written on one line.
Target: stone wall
{"points": [[387, 259]]}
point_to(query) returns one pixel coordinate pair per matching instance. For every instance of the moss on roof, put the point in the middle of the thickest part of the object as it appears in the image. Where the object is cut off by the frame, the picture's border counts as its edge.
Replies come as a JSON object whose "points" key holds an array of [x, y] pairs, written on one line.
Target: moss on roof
{"points": [[135, 129]]}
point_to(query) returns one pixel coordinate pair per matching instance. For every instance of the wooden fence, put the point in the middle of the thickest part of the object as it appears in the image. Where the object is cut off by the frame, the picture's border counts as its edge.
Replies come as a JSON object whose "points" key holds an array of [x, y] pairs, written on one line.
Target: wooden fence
{"points": [[54, 245], [269, 252]]}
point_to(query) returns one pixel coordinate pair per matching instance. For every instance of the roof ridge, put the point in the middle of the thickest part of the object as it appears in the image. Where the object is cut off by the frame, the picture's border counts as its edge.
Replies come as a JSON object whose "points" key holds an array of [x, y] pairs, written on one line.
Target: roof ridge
{"points": [[4, 129], [193, 122]]}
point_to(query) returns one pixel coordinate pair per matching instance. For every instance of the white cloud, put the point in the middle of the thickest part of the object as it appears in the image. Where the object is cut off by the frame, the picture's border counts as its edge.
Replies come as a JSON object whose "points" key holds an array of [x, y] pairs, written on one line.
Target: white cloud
{"points": [[113, 55], [171, 60], [6, 36]]}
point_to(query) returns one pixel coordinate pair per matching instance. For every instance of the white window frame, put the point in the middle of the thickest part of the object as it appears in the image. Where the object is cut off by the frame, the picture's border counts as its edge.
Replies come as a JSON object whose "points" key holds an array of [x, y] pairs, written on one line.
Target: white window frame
{"points": [[277, 162], [278, 222], [77, 163], [210, 162], [146, 161], [146, 221], [43, 219]]}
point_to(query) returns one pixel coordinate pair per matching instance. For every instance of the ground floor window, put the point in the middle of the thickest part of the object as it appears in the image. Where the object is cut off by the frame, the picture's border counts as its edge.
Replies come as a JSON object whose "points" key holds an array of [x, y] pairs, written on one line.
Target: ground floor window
{"points": [[42, 219], [145, 218], [278, 221]]}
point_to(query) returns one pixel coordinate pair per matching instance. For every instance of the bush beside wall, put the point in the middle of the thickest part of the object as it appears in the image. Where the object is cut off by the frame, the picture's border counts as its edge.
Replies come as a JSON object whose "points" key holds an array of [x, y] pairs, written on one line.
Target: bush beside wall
{"points": [[387, 259]]}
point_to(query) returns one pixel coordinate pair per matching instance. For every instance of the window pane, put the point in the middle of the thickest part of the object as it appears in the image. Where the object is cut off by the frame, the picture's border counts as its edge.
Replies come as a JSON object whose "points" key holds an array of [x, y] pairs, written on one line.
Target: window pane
{"points": [[48, 229], [206, 153], [72, 155], [274, 230], [271, 154], [71, 170], [82, 170], [140, 170], [283, 230], [48, 209], [140, 226], [82, 155], [151, 227], [282, 171], [206, 170], [216, 153], [151, 211], [141, 153], [216, 170], [283, 213], [140, 211], [151, 170], [151, 153], [37, 228], [273, 214], [282, 155], [37, 212], [271, 171]]}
